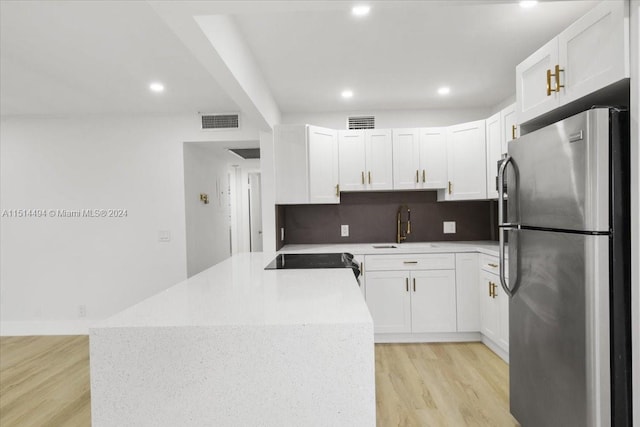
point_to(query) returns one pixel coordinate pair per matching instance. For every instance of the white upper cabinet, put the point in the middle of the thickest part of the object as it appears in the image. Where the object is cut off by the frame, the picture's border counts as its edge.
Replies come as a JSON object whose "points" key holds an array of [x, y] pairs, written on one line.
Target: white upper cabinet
{"points": [[406, 159], [419, 158], [466, 158], [509, 119], [365, 160], [379, 155], [594, 51], [532, 94], [494, 153], [433, 158], [589, 55], [306, 164], [323, 165], [352, 160]]}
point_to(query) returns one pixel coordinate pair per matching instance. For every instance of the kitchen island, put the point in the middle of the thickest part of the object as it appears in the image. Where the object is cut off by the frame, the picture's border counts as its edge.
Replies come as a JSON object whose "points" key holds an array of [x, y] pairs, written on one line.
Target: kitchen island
{"points": [[237, 345]]}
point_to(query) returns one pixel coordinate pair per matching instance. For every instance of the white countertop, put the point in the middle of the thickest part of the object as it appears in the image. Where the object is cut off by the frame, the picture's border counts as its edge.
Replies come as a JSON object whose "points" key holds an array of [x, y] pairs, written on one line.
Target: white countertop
{"points": [[238, 291], [487, 247]]}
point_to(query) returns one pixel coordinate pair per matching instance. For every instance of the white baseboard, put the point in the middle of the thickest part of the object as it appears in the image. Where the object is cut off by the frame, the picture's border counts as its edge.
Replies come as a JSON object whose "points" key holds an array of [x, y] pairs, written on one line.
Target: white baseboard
{"points": [[496, 349], [45, 327], [427, 337]]}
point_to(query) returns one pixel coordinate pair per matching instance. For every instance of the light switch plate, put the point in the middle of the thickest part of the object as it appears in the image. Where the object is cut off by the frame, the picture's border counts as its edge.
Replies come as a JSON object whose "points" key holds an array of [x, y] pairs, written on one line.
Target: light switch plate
{"points": [[344, 230], [449, 227], [164, 236]]}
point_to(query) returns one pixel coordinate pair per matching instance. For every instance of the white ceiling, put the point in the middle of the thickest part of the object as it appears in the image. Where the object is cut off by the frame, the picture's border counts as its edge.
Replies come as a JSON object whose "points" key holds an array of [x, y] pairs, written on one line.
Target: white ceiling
{"points": [[95, 57], [399, 55]]}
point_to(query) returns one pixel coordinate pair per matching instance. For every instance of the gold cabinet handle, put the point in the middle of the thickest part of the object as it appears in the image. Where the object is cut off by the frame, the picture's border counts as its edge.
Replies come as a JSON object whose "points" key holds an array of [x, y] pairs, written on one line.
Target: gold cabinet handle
{"points": [[410, 262], [362, 176], [489, 289], [417, 176], [406, 282], [513, 131], [414, 284], [549, 90], [492, 265], [450, 187], [493, 290], [337, 190], [558, 70], [369, 177], [424, 175]]}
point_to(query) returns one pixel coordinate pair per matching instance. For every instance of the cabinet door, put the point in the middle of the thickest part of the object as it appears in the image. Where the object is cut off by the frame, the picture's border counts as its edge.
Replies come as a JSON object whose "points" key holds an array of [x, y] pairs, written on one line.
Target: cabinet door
{"points": [[323, 165], [510, 125], [389, 301], [489, 317], [290, 163], [531, 82], [467, 287], [466, 152], [594, 51], [494, 153], [406, 160], [351, 160], [379, 159], [433, 301], [433, 157]]}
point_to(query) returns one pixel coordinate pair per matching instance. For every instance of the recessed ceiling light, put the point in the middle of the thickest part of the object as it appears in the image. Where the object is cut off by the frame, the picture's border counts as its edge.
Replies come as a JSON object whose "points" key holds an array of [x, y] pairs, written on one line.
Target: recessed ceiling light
{"points": [[347, 94], [156, 87], [526, 4], [444, 90], [360, 10]]}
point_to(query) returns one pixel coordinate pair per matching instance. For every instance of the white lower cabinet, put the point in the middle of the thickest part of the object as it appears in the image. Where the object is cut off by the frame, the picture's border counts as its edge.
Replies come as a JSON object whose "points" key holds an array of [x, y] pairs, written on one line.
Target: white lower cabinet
{"points": [[494, 305], [412, 293], [412, 301]]}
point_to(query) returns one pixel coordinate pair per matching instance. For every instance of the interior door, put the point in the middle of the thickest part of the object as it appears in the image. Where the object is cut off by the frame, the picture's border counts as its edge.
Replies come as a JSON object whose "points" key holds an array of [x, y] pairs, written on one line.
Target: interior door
{"points": [[255, 212]]}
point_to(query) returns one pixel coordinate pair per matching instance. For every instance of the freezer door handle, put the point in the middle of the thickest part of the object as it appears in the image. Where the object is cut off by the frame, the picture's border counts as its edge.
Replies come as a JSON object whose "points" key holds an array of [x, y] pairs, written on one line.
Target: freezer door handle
{"points": [[502, 226]]}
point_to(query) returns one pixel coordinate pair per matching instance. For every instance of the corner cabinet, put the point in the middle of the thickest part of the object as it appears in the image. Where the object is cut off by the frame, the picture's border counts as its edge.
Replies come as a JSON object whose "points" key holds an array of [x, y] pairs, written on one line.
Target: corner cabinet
{"points": [[589, 55], [365, 160], [466, 162], [306, 164], [419, 159]]}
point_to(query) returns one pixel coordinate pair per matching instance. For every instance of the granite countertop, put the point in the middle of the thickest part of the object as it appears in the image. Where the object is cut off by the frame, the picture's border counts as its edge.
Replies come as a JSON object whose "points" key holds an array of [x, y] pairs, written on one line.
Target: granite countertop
{"points": [[487, 247], [238, 291]]}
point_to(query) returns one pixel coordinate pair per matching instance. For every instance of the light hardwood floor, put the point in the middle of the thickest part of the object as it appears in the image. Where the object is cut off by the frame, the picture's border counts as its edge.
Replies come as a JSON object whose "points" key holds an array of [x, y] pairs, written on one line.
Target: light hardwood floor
{"points": [[44, 381]]}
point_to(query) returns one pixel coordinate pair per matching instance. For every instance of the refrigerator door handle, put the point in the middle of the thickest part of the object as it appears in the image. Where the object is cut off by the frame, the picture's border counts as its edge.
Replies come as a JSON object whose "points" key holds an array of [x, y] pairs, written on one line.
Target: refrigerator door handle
{"points": [[502, 226]]}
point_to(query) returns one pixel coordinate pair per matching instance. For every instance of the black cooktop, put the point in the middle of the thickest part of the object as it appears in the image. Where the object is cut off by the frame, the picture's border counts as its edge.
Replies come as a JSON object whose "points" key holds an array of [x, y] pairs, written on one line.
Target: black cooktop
{"points": [[302, 261]]}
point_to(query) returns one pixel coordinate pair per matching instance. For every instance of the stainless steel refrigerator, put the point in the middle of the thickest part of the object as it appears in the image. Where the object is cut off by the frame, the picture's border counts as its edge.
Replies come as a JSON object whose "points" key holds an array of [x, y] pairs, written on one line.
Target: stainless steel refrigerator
{"points": [[567, 226]]}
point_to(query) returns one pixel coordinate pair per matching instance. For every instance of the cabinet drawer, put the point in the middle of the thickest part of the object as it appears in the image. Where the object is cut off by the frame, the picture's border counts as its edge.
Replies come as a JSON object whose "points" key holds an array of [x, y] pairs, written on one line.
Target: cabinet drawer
{"points": [[410, 262], [491, 264]]}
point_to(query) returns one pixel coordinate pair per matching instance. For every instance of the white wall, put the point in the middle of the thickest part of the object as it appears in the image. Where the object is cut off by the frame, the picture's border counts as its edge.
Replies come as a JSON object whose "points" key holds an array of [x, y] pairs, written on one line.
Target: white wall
{"points": [[50, 266], [207, 225], [267, 170], [390, 118]]}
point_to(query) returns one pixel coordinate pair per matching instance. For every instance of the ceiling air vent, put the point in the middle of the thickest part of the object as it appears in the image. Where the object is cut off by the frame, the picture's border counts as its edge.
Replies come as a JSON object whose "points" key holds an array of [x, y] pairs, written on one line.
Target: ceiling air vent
{"points": [[361, 122], [220, 121]]}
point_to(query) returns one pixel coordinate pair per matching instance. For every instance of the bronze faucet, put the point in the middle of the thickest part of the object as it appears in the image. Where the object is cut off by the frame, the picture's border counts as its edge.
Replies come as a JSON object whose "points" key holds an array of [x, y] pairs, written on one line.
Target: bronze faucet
{"points": [[401, 234]]}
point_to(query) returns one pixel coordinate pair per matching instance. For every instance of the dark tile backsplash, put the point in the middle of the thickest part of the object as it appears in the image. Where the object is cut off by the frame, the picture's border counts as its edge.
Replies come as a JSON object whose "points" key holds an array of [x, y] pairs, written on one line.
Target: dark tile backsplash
{"points": [[371, 217]]}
